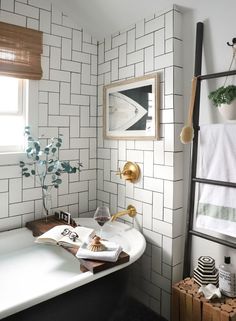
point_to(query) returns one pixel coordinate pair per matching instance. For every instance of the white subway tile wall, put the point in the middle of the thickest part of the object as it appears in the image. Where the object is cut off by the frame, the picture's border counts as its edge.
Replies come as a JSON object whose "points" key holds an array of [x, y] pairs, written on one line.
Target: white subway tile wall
{"points": [[75, 69], [152, 45], [67, 105]]}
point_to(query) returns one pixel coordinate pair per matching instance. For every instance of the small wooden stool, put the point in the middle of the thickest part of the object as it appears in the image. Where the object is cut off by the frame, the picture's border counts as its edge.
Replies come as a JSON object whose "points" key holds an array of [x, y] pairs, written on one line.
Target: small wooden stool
{"points": [[189, 305]]}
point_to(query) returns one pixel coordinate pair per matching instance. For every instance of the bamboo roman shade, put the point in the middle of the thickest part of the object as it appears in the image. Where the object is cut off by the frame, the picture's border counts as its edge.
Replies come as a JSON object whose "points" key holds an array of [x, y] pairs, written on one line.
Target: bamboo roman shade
{"points": [[20, 52]]}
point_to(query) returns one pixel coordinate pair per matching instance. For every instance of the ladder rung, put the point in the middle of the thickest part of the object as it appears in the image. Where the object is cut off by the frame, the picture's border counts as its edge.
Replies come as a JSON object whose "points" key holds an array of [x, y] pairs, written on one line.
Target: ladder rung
{"points": [[213, 182], [213, 239], [217, 75]]}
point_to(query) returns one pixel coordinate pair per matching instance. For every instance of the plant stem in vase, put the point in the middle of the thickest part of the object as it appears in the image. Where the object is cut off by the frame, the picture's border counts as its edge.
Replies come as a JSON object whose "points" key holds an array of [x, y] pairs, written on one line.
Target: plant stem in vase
{"points": [[47, 203]]}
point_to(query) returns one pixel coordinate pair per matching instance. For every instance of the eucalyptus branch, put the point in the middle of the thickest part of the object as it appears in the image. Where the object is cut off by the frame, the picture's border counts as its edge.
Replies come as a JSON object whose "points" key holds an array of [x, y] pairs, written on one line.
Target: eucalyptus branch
{"points": [[45, 161]]}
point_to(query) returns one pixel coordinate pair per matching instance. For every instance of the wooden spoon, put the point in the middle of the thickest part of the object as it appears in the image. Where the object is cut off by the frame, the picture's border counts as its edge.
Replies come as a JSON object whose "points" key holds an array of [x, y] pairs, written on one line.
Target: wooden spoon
{"points": [[187, 132]]}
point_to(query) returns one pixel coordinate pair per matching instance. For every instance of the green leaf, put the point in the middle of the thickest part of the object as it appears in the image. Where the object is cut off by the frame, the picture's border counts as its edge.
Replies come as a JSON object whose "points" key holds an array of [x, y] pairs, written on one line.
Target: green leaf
{"points": [[50, 168], [36, 157], [28, 150], [22, 164], [58, 145], [57, 181], [33, 172], [54, 149], [46, 150], [26, 174], [56, 186], [24, 169], [37, 146]]}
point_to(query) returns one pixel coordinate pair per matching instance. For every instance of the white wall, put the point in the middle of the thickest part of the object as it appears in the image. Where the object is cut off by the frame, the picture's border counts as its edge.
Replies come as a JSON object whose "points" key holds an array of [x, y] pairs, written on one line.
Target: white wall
{"points": [[219, 27], [151, 45], [67, 99]]}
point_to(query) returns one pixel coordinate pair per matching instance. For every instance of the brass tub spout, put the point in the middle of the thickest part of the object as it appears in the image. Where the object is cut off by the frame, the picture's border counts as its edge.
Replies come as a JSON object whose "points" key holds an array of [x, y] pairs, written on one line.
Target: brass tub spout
{"points": [[131, 211]]}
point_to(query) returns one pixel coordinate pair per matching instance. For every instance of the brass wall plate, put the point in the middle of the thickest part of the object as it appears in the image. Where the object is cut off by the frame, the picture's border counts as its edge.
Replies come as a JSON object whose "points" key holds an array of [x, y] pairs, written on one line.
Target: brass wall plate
{"points": [[131, 172], [132, 210]]}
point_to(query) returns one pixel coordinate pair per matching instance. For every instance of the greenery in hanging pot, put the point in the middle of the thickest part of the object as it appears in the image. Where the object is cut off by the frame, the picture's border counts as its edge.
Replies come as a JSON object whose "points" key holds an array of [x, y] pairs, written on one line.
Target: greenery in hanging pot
{"points": [[45, 165], [225, 99], [223, 95]]}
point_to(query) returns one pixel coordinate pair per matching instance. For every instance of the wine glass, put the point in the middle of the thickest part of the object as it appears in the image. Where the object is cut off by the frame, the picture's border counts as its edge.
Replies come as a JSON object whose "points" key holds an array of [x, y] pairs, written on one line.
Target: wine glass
{"points": [[102, 215]]}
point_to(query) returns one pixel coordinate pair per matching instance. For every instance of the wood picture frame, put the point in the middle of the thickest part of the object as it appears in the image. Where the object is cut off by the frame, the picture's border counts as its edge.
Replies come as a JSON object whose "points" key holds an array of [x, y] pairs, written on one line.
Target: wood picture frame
{"points": [[131, 109]]}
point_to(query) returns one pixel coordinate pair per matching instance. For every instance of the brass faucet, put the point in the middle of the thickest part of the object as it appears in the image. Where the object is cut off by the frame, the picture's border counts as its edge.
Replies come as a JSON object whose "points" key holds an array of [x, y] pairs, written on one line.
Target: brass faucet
{"points": [[130, 172], [131, 211]]}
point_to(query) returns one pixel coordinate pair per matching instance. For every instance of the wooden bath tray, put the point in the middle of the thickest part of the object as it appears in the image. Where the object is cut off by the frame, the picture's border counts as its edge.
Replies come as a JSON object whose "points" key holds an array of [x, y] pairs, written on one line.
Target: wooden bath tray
{"points": [[38, 227]]}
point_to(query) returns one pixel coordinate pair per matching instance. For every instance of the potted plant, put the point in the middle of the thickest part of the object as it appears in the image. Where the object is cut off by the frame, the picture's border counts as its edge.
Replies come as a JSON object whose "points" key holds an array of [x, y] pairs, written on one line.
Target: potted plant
{"points": [[224, 98], [45, 166]]}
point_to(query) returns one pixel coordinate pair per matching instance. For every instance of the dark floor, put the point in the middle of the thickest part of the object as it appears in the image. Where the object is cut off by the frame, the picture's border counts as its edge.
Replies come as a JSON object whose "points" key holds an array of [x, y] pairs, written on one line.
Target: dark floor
{"points": [[133, 310]]}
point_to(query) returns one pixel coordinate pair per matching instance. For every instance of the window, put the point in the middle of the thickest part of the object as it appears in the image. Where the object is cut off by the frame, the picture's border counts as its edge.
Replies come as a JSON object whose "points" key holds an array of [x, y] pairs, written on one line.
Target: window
{"points": [[12, 113], [20, 66]]}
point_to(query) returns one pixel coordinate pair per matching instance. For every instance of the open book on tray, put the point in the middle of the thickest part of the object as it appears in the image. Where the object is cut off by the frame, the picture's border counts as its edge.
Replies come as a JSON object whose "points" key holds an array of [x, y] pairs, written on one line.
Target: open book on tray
{"points": [[66, 235]]}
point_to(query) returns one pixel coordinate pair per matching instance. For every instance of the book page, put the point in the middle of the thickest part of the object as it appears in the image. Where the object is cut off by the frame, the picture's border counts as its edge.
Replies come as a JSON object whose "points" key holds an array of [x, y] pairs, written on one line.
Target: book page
{"points": [[84, 234], [53, 235]]}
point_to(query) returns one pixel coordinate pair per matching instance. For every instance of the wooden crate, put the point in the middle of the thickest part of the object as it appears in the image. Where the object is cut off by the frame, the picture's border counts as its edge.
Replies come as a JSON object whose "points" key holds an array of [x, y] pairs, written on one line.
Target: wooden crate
{"points": [[189, 305]]}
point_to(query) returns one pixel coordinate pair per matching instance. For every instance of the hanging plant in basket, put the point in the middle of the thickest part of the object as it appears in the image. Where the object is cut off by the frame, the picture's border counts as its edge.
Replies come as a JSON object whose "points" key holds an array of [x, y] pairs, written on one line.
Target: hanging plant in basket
{"points": [[45, 166], [225, 99], [225, 96]]}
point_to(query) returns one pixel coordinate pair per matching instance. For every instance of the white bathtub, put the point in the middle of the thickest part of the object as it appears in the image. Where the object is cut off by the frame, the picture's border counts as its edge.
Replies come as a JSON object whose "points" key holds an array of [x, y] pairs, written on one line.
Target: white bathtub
{"points": [[31, 273]]}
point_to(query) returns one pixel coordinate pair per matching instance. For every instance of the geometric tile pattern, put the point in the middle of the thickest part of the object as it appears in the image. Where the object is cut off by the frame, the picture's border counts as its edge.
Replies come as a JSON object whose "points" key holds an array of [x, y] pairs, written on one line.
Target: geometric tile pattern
{"points": [[151, 45], [75, 68]]}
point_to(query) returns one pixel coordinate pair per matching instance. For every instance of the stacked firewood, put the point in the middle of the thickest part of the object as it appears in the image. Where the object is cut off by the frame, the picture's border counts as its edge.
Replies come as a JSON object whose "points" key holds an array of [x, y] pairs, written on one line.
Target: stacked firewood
{"points": [[189, 305]]}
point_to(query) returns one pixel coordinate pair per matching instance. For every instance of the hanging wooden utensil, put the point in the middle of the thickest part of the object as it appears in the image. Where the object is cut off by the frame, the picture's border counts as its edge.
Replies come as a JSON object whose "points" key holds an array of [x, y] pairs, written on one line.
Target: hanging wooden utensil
{"points": [[187, 132]]}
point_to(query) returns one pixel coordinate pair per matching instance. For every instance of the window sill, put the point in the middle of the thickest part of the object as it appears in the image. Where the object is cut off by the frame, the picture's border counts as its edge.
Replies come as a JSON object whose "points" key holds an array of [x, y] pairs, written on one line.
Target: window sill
{"points": [[12, 158]]}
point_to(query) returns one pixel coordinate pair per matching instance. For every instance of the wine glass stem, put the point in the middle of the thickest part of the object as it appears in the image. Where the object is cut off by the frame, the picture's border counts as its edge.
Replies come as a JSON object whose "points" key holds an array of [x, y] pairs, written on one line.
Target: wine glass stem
{"points": [[101, 232]]}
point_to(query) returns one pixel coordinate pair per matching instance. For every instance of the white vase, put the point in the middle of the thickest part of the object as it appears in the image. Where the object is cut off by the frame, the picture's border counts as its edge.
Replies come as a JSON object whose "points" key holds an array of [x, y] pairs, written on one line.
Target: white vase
{"points": [[228, 112]]}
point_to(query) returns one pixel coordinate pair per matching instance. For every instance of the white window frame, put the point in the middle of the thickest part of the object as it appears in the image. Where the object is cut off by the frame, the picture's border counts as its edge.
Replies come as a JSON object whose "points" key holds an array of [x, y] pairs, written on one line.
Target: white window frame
{"points": [[22, 88], [30, 102]]}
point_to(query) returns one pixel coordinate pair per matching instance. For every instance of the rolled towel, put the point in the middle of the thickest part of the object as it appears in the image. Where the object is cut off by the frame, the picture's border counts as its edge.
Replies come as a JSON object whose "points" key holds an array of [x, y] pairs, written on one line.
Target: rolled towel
{"points": [[110, 254]]}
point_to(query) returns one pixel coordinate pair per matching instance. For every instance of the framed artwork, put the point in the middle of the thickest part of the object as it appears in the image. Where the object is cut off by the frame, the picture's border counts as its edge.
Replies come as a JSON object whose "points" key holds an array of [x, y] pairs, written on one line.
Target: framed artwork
{"points": [[131, 109]]}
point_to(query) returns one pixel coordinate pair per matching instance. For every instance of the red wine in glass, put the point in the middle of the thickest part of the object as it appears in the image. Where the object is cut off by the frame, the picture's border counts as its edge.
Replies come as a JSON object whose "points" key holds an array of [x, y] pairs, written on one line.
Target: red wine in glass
{"points": [[102, 220], [102, 215]]}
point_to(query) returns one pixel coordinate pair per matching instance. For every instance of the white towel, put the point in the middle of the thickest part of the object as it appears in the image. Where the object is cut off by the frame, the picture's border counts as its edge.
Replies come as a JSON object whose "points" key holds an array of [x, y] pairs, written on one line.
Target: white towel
{"points": [[217, 204], [110, 254]]}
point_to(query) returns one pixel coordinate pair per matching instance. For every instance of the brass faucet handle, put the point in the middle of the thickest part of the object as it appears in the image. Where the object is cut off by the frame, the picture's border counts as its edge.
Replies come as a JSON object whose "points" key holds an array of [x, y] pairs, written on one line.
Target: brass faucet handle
{"points": [[127, 172], [130, 172], [119, 173]]}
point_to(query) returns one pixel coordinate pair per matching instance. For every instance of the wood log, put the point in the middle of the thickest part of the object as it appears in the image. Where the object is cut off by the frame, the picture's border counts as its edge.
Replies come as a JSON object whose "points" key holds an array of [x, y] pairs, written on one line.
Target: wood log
{"points": [[189, 305], [182, 305], [216, 314], [206, 312], [175, 304], [197, 310], [225, 316]]}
